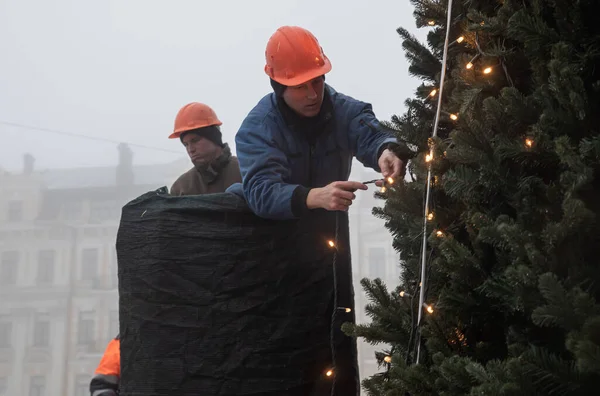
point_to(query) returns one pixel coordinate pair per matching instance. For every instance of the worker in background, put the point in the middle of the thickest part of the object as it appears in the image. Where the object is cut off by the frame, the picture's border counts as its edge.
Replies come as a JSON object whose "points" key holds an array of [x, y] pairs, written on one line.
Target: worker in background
{"points": [[214, 170], [106, 378], [296, 145]]}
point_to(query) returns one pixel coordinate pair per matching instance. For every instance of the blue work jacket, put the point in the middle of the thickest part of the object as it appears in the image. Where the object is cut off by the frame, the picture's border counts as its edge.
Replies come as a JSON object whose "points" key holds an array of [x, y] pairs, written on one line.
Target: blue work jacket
{"points": [[275, 158]]}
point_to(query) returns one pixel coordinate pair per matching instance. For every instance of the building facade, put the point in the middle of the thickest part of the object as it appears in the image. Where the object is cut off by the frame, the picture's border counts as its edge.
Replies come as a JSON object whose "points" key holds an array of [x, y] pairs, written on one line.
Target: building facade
{"points": [[58, 278], [58, 268]]}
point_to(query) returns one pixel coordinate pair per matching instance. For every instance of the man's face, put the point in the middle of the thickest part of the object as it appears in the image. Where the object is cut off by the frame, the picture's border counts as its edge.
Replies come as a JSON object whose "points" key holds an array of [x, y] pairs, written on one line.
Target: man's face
{"points": [[306, 99], [201, 150]]}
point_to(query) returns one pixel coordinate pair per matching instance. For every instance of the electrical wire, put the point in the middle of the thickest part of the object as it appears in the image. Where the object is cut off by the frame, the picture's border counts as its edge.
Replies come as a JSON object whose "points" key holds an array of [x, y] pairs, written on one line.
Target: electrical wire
{"points": [[335, 302], [80, 136], [428, 193]]}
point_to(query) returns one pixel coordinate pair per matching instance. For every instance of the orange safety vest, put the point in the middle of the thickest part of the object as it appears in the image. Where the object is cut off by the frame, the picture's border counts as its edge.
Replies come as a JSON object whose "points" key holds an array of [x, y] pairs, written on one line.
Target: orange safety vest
{"points": [[110, 364], [107, 375]]}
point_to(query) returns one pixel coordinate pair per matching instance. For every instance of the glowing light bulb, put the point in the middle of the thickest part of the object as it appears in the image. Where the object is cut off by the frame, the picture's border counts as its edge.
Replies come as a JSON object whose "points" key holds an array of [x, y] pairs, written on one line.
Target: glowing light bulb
{"points": [[348, 310], [429, 308], [428, 158], [528, 142], [460, 39], [402, 293], [487, 70], [331, 243], [433, 92], [469, 65], [430, 216], [454, 117], [439, 234], [390, 180], [329, 373], [387, 359], [383, 189], [431, 23]]}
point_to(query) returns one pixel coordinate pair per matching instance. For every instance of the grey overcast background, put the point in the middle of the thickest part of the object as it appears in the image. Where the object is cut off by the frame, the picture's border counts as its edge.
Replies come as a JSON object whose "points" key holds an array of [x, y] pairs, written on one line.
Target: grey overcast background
{"points": [[121, 69]]}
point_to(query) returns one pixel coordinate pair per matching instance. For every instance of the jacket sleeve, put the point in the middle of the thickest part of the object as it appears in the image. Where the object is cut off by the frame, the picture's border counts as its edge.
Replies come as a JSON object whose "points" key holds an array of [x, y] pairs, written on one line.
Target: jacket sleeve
{"points": [[368, 138], [265, 169], [106, 378]]}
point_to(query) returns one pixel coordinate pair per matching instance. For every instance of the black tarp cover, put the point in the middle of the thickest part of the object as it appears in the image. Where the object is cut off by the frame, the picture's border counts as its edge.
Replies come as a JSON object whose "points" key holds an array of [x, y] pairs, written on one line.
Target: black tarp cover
{"points": [[215, 301]]}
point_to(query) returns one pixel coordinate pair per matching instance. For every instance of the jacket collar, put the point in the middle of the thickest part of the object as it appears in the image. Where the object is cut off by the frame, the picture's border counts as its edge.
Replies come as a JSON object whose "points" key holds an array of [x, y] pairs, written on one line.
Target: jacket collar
{"points": [[311, 127], [212, 170]]}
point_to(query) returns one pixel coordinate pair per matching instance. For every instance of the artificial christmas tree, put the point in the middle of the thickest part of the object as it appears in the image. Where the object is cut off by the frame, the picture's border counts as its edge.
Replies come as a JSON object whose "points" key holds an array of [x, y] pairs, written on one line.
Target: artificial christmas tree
{"points": [[512, 258]]}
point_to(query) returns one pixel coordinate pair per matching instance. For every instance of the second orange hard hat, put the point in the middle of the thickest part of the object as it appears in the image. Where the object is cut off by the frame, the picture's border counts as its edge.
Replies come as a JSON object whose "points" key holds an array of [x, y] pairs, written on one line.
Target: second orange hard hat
{"points": [[193, 116], [294, 56]]}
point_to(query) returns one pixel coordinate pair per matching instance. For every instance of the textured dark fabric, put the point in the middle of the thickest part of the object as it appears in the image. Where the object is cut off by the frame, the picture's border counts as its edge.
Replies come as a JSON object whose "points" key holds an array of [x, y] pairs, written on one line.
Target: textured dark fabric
{"points": [[215, 301]]}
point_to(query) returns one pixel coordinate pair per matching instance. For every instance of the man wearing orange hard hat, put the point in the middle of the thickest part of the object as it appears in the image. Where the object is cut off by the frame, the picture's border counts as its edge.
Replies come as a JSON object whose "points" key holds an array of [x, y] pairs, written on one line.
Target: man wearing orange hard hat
{"points": [[215, 169], [295, 147]]}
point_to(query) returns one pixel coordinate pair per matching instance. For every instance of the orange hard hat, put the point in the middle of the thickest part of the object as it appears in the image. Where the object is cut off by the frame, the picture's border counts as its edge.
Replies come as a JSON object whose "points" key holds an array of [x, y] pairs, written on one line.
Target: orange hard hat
{"points": [[193, 116], [294, 56]]}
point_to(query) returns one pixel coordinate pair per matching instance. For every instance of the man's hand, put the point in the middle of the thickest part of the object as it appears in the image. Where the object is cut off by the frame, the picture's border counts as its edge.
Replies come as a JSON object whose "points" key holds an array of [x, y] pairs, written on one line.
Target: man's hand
{"points": [[334, 196], [391, 166]]}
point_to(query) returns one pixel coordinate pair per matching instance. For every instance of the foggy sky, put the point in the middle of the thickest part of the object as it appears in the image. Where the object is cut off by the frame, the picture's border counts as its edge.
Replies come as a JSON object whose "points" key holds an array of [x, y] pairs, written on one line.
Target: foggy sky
{"points": [[121, 69]]}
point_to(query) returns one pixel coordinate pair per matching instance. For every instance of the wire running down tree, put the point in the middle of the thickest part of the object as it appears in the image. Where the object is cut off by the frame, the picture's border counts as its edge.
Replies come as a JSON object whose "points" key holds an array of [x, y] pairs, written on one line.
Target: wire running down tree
{"points": [[512, 261]]}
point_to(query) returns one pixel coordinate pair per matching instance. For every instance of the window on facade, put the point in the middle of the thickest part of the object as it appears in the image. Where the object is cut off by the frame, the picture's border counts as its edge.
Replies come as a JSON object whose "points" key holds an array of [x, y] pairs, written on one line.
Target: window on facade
{"points": [[15, 211], [9, 265], [86, 328], [37, 386], [45, 270], [5, 332], [101, 211], [114, 270], [72, 210], [114, 324], [377, 263], [89, 264], [41, 331], [82, 385]]}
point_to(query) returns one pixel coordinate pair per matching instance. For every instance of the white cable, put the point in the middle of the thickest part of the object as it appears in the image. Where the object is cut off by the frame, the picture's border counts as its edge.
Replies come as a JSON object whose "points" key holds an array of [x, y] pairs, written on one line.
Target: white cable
{"points": [[427, 195]]}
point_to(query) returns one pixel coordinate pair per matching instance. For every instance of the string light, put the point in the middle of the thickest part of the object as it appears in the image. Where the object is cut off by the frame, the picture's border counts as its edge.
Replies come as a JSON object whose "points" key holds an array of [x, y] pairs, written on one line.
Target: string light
{"points": [[487, 70], [347, 310], [387, 359], [404, 294], [431, 23], [331, 244], [454, 117], [428, 308], [470, 64], [433, 92], [439, 233], [428, 158], [329, 373], [460, 39], [390, 180], [529, 142], [430, 216], [383, 189]]}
